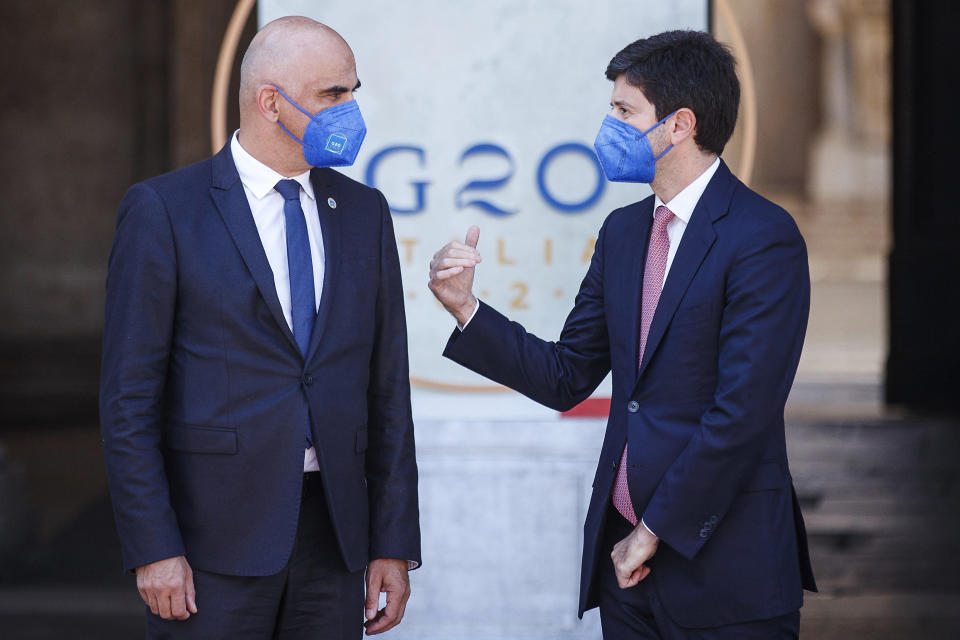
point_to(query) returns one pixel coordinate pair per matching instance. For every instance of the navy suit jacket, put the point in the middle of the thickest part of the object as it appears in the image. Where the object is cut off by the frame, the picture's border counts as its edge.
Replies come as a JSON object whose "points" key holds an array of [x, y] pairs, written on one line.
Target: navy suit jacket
{"points": [[707, 463], [205, 398]]}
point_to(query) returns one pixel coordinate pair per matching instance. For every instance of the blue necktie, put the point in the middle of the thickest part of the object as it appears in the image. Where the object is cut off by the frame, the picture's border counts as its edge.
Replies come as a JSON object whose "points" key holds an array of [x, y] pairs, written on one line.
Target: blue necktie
{"points": [[303, 306]]}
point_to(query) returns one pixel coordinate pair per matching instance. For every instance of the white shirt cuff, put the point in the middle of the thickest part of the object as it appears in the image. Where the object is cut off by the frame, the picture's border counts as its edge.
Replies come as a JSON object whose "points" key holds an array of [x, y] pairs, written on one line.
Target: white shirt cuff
{"points": [[648, 528], [475, 309], [310, 462]]}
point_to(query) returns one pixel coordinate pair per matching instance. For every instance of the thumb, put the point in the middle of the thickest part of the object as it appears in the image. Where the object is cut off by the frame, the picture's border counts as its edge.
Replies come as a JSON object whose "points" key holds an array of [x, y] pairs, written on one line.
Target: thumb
{"points": [[191, 595], [473, 236], [635, 578], [373, 596]]}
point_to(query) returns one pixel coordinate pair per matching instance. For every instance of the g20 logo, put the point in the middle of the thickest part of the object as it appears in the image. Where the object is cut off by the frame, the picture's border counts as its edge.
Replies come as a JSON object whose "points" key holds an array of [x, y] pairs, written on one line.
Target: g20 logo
{"points": [[471, 193]]}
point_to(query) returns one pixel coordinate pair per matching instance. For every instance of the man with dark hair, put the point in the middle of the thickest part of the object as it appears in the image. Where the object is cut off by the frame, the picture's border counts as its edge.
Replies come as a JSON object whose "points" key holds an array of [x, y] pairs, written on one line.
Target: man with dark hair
{"points": [[685, 69], [697, 299]]}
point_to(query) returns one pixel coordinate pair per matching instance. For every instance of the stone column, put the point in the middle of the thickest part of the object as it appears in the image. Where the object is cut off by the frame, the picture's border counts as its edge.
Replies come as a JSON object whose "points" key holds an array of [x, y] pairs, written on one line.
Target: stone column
{"points": [[849, 156]]}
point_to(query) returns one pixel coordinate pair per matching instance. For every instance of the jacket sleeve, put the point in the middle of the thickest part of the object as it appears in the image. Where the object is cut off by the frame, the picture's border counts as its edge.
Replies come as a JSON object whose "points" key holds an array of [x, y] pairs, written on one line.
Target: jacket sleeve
{"points": [[391, 465], [557, 374], [761, 335], [138, 327]]}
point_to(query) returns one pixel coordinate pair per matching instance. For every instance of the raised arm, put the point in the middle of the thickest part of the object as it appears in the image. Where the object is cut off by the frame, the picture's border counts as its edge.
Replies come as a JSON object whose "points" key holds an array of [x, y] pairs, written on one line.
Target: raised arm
{"points": [[556, 374]]}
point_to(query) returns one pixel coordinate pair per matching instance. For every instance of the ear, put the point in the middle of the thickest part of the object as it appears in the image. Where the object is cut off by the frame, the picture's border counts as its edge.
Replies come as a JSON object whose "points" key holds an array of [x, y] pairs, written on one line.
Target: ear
{"points": [[684, 126], [267, 102]]}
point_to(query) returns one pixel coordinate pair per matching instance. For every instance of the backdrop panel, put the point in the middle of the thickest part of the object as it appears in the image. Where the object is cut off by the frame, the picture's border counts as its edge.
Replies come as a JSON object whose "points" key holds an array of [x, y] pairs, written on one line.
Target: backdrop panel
{"points": [[485, 113]]}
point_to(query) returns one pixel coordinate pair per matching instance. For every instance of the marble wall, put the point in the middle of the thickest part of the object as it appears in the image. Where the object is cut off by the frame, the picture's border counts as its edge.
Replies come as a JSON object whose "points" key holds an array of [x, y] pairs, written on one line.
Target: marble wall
{"points": [[502, 508]]}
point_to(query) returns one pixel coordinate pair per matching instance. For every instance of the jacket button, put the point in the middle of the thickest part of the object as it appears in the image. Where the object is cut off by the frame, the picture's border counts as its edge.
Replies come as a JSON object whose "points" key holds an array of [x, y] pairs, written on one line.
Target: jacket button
{"points": [[307, 379], [713, 519], [703, 533], [633, 406]]}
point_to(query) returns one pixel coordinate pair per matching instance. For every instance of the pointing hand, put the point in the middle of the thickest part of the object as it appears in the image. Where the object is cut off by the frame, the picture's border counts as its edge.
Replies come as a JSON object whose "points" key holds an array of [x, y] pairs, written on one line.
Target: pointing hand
{"points": [[451, 276]]}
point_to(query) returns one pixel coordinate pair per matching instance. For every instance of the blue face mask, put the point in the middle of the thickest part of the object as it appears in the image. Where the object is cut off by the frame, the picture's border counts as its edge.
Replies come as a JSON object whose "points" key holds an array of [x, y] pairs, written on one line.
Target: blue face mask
{"points": [[625, 153], [333, 136]]}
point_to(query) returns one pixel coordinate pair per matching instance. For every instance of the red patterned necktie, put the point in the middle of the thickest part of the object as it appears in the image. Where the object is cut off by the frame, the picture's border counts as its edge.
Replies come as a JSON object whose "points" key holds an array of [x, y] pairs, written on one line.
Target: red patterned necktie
{"points": [[656, 265]]}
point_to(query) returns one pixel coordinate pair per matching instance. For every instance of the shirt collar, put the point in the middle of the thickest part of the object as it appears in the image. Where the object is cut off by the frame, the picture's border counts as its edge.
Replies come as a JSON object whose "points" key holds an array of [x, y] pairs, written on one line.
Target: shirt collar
{"points": [[686, 201], [257, 177]]}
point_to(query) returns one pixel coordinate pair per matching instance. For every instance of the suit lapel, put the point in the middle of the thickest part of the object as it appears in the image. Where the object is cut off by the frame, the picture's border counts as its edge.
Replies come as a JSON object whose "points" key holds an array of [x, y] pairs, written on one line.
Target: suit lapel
{"points": [[639, 235], [231, 201], [697, 240], [330, 221]]}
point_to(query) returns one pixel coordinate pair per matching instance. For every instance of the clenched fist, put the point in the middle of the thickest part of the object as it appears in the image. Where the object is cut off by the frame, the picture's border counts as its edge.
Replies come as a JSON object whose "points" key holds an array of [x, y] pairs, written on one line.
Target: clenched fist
{"points": [[631, 554]]}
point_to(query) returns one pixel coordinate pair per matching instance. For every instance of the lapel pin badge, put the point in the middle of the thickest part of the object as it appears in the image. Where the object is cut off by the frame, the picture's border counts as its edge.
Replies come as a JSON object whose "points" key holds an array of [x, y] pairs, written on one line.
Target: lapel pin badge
{"points": [[331, 203]]}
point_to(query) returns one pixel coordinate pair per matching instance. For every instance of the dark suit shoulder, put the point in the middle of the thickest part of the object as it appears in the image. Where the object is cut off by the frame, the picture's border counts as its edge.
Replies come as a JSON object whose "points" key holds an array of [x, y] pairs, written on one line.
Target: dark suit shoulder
{"points": [[198, 173], [180, 191], [751, 211]]}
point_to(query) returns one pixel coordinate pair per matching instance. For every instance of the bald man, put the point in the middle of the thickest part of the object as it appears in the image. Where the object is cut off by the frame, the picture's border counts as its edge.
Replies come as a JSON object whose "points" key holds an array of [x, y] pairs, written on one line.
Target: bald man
{"points": [[255, 402]]}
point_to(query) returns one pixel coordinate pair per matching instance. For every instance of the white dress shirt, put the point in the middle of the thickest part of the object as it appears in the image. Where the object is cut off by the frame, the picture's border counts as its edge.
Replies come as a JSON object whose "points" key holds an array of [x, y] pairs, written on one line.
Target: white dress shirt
{"points": [[682, 206], [266, 204]]}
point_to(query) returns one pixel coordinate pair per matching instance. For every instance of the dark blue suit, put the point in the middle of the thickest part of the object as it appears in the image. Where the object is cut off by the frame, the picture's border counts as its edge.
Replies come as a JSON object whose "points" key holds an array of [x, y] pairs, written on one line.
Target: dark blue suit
{"points": [[707, 463], [206, 398]]}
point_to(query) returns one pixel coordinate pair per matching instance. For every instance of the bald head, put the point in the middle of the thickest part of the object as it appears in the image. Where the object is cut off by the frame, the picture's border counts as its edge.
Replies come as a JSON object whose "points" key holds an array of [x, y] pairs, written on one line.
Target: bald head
{"points": [[288, 52], [312, 65]]}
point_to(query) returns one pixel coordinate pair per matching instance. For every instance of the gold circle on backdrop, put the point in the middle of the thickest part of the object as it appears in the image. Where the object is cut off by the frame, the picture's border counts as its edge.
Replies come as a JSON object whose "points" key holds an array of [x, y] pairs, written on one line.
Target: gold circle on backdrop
{"points": [[221, 76], [748, 97], [227, 58]]}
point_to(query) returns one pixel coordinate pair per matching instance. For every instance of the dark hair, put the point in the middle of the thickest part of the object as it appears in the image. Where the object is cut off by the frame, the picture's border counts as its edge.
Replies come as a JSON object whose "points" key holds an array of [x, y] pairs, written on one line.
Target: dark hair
{"points": [[689, 69]]}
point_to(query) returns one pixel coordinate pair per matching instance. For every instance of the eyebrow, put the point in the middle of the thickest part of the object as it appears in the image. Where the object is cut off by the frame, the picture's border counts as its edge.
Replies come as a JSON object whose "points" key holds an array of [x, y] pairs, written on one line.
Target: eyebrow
{"points": [[338, 90], [621, 103]]}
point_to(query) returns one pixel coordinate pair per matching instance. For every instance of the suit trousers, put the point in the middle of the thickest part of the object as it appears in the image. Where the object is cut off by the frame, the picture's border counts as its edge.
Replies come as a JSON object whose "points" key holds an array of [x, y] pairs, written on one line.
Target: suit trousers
{"points": [[314, 596], [637, 612]]}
